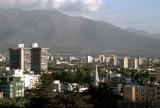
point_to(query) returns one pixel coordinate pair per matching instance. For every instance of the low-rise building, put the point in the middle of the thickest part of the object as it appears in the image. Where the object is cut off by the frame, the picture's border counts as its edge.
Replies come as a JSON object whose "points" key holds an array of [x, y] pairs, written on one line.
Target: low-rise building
{"points": [[12, 85], [30, 80], [157, 94], [57, 86], [1, 94], [138, 93], [2, 58]]}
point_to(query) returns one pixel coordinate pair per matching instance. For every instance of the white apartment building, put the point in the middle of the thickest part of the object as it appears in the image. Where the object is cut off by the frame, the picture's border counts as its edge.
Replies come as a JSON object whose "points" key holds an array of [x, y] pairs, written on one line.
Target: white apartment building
{"points": [[89, 59], [31, 80]]}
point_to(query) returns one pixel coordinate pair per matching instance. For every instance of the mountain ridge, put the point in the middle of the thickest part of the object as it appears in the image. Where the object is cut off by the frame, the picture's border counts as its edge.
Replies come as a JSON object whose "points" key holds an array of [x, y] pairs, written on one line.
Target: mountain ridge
{"points": [[61, 32], [143, 32]]}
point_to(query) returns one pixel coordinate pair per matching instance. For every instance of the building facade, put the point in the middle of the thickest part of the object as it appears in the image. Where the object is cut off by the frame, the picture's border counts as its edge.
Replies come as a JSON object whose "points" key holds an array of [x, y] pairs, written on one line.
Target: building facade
{"points": [[26, 59], [31, 80], [12, 85], [89, 59], [15, 58], [125, 62], [138, 93]]}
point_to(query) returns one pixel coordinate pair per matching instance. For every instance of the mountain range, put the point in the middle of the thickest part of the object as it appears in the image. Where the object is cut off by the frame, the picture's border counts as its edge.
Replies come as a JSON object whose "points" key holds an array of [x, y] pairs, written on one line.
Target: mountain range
{"points": [[143, 32], [62, 33]]}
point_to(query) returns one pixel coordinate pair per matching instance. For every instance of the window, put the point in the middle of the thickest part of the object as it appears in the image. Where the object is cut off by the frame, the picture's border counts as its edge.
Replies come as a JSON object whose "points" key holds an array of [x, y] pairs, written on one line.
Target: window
{"points": [[11, 89], [11, 94], [17, 91], [11, 85], [20, 91], [17, 94]]}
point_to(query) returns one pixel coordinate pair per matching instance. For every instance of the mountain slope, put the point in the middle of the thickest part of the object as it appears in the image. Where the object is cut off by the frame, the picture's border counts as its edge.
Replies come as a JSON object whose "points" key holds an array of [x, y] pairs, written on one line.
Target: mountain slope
{"points": [[57, 31], [143, 32]]}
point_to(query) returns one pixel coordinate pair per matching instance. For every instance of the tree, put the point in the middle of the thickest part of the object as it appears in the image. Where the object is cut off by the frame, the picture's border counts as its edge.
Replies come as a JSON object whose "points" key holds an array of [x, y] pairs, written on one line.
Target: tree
{"points": [[11, 103], [45, 84], [43, 93], [84, 73], [72, 100], [103, 96]]}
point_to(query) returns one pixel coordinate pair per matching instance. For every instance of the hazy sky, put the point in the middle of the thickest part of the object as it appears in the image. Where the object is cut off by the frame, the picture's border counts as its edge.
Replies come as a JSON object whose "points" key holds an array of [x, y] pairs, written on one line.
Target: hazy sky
{"points": [[140, 14]]}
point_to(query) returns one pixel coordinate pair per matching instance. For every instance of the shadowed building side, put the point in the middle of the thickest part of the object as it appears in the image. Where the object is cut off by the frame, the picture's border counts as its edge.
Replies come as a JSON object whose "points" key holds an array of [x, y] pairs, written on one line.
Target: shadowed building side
{"points": [[15, 58]]}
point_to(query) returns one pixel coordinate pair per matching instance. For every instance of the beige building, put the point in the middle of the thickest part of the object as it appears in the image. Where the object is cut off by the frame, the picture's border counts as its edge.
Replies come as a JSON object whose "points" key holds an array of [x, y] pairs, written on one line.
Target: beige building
{"points": [[136, 63], [2, 58], [138, 93], [27, 59], [102, 58], [133, 63], [157, 94], [120, 62], [141, 60], [1, 94], [126, 62]]}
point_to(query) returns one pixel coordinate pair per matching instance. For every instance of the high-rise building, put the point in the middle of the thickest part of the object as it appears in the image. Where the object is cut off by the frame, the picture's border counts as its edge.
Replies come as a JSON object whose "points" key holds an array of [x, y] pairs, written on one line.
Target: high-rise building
{"points": [[89, 59], [115, 61], [136, 63], [20, 58], [39, 59], [102, 58], [26, 59], [120, 62], [126, 62], [141, 60], [131, 63], [15, 58]]}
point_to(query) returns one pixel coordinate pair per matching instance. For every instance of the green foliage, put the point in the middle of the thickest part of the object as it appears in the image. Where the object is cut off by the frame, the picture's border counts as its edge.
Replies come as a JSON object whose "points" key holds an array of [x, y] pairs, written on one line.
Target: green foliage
{"points": [[40, 102], [43, 97], [103, 96], [80, 73], [4, 64], [44, 87], [11, 103], [123, 71], [72, 100], [84, 73]]}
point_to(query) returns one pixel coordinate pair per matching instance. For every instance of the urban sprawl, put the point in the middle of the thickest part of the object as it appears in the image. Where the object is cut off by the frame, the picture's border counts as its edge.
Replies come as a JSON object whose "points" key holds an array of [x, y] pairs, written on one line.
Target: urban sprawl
{"points": [[134, 79]]}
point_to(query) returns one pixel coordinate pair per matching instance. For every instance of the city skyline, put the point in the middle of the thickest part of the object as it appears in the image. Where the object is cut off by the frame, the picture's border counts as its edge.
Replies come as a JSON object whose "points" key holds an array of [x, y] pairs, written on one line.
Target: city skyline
{"points": [[92, 53]]}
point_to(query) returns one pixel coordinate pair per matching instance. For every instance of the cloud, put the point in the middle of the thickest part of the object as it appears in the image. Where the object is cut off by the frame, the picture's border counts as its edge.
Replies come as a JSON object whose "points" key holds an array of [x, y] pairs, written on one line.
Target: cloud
{"points": [[16, 2], [69, 5]]}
